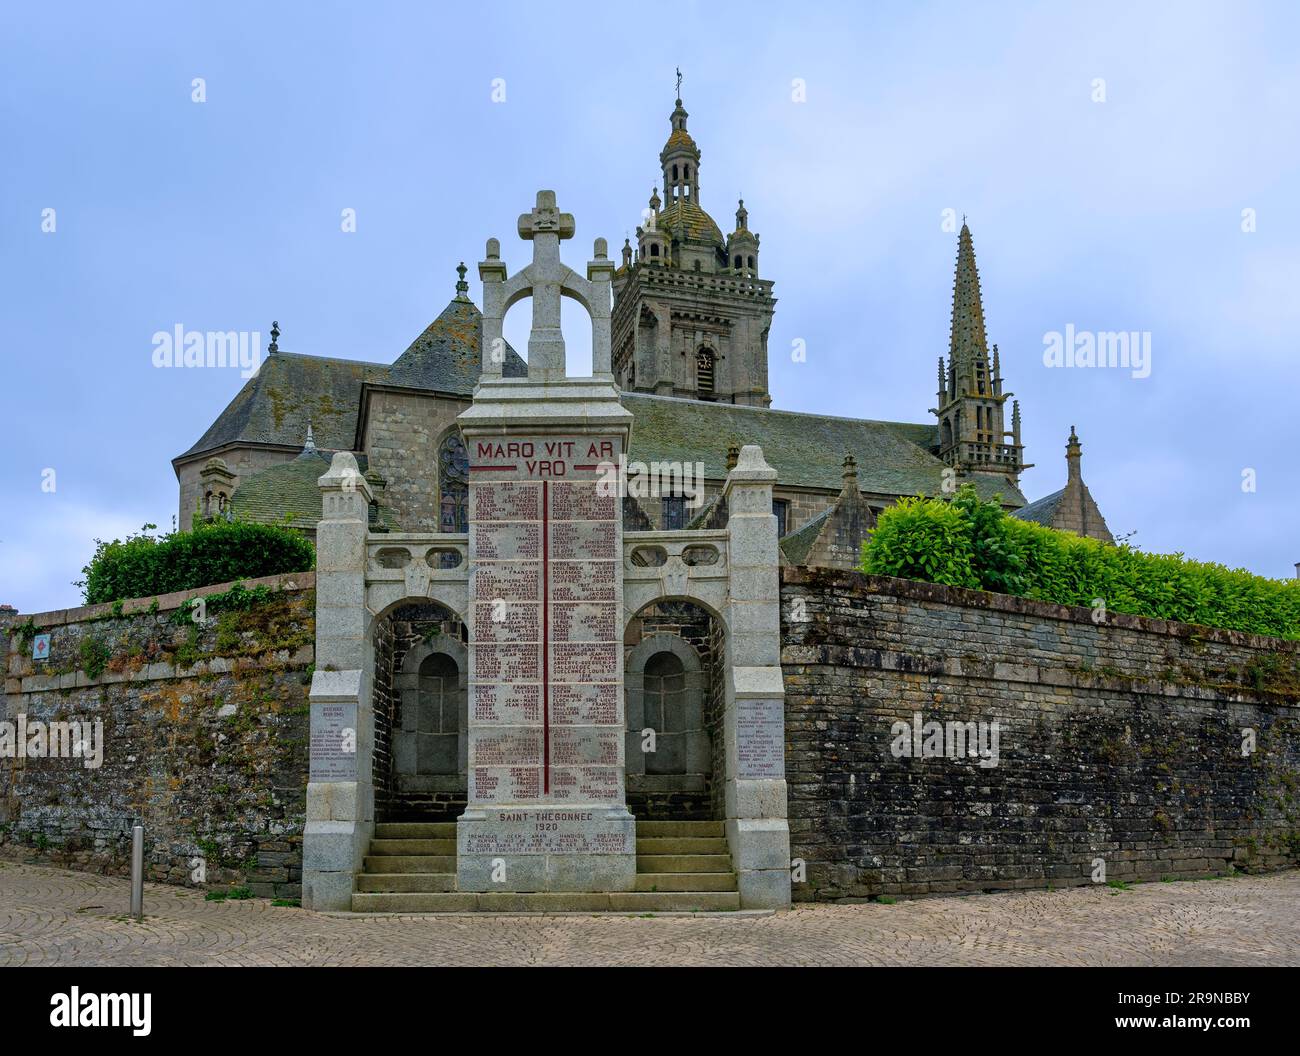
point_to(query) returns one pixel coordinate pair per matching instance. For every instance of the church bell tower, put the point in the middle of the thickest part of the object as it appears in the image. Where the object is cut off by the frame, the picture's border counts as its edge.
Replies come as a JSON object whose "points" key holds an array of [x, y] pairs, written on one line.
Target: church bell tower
{"points": [[691, 316]]}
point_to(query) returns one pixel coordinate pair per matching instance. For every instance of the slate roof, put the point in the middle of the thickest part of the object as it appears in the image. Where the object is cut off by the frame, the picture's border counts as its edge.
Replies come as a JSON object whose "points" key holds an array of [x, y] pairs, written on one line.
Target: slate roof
{"points": [[290, 489], [1041, 511], [288, 390], [275, 405], [805, 449], [796, 545], [446, 356]]}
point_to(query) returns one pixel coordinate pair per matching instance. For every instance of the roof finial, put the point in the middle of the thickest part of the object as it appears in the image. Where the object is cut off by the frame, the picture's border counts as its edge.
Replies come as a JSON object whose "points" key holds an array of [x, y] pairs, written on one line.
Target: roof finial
{"points": [[462, 287], [309, 446], [274, 346], [679, 86]]}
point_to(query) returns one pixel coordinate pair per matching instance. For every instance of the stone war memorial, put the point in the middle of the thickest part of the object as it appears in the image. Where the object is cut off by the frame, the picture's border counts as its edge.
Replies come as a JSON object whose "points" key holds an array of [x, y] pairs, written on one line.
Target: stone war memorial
{"points": [[547, 584], [615, 644]]}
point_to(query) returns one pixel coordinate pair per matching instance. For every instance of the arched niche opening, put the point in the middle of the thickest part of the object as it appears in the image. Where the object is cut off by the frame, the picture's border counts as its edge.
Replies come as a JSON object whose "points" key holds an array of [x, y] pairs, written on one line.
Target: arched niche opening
{"points": [[421, 714], [673, 677], [574, 322]]}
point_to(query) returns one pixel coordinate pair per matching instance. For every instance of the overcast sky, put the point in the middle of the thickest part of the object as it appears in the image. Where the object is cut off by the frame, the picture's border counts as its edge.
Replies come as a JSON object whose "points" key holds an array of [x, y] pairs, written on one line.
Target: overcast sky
{"points": [[1106, 156]]}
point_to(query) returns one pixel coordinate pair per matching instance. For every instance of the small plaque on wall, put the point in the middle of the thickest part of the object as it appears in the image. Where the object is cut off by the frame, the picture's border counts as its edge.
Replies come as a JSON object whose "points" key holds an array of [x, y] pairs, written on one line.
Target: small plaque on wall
{"points": [[760, 739], [333, 742]]}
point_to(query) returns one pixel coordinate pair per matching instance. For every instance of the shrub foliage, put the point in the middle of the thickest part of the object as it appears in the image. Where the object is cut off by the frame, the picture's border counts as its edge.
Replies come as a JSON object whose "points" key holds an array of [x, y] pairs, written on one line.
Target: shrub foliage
{"points": [[965, 542], [216, 552]]}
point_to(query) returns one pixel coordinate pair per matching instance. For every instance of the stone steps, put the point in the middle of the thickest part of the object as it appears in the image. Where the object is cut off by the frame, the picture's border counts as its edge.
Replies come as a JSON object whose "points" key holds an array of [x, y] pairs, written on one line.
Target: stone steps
{"points": [[681, 845], [418, 883], [700, 829], [546, 902], [683, 863], [413, 847], [402, 863], [415, 830], [682, 866], [662, 882]]}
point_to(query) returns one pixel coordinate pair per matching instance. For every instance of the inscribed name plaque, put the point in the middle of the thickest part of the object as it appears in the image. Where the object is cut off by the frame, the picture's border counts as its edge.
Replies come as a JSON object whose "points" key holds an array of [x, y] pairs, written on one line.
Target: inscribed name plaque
{"points": [[333, 742], [545, 640], [760, 746], [549, 831], [519, 704], [504, 784]]}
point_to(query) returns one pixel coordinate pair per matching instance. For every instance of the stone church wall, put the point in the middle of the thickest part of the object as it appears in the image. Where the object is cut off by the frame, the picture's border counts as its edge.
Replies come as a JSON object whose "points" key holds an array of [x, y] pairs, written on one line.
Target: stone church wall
{"points": [[205, 738], [242, 461], [404, 431], [1120, 742]]}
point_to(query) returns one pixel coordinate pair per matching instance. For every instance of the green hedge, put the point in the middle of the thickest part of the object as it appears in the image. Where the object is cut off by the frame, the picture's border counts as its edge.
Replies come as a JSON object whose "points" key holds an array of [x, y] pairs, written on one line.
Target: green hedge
{"points": [[216, 552], [964, 542]]}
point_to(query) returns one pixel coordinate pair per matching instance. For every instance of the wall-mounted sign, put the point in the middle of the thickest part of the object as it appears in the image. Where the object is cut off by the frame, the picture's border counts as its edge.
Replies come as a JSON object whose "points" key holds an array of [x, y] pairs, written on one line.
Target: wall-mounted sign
{"points": [[41, 647]]}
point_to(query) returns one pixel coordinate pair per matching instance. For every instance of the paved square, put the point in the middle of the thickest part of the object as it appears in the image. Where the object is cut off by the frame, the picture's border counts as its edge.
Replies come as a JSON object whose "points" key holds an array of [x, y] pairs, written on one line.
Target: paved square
{"points": [[55, 917]]}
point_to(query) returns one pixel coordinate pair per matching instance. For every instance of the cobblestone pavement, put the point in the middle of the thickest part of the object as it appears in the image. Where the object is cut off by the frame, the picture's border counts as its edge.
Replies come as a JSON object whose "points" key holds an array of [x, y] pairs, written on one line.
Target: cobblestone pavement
{"points": [[52, 916]]}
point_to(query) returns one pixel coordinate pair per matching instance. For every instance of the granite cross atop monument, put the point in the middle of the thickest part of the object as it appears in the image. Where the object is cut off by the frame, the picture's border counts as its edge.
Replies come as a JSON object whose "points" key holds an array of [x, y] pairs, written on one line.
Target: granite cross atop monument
{"points": [[546, 226], [546, 280]]}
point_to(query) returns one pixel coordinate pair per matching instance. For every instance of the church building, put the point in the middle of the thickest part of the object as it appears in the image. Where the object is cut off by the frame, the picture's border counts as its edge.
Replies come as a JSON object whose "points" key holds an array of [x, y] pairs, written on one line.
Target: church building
{"points": [[690, 325]]}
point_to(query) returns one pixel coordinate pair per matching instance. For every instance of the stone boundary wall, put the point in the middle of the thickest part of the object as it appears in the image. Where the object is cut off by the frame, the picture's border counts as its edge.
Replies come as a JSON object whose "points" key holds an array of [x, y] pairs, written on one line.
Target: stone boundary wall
{"points": [[204, 734], [1119, 742]]}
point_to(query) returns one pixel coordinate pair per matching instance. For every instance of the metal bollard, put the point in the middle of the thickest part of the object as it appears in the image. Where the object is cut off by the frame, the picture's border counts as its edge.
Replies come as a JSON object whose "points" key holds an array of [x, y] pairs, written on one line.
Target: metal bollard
{"points": [[137, 872]]}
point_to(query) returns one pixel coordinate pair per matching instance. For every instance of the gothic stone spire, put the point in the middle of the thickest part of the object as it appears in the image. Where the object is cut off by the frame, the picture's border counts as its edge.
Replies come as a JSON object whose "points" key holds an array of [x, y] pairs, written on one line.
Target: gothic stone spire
{"points": [[968, 346], [972, 428]]}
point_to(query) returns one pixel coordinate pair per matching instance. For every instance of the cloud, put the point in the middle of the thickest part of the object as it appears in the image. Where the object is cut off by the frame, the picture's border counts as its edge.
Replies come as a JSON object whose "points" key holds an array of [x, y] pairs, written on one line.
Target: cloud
{"points": [[43, 551]]}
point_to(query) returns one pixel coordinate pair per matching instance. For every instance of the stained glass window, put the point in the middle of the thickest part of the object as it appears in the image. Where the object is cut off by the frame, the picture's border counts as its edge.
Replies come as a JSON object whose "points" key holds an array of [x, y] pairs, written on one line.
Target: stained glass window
{"points": [[453, 484]]}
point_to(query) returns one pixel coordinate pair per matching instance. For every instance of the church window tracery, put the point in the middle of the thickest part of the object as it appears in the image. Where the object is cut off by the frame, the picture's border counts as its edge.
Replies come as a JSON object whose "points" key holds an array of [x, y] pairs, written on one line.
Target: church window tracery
{"points": [[453, 484]]}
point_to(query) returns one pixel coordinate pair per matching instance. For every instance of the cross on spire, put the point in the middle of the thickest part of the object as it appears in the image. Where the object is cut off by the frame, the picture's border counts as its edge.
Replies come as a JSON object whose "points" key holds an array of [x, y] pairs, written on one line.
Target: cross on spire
{"points": [[679, 84]]}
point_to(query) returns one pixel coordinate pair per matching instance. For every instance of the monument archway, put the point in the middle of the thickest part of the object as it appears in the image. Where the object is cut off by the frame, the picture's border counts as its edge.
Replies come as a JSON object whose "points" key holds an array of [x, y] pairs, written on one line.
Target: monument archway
{"points": [[420, 675], [673, 693]]}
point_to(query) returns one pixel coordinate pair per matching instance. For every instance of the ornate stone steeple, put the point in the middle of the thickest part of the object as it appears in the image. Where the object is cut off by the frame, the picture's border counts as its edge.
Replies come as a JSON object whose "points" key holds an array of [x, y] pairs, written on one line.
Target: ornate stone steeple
{"points": [[680, 159], [742, 245], [973, 437], [691, 316], [1072, 509]]}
